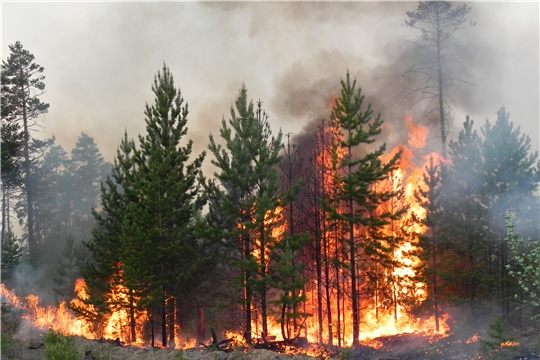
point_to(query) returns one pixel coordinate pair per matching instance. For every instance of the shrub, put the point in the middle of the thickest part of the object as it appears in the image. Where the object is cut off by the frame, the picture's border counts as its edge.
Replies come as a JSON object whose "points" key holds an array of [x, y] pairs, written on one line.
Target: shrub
{"points": [[60, 347]]}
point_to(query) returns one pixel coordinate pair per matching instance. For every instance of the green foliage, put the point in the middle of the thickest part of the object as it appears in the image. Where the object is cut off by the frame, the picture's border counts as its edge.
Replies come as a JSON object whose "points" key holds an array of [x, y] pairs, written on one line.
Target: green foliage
{"points": [[60, 347], [180, 355], [524, 266], [22, 85], [148, 233], [87, 169], [246, 196], [11, 255], [495, 347], [10, 348], [286, 276], [345, 354], [70, 261]]}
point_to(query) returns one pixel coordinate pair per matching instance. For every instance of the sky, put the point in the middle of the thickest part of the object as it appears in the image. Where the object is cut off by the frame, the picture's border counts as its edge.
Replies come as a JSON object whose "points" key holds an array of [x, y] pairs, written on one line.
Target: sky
{"points": [[100, 59]]}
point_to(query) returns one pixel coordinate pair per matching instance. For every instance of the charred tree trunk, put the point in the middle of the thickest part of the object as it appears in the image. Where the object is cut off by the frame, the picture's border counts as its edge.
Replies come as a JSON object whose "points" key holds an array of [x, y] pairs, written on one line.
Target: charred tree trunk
{"points": [[164, 320], [354, 293], [172, 320], [338, 288], [318, 265], [248, 291], [152, 331], [132, 316], [264, 304], [435, 290], [200, 324], [327, 286]]}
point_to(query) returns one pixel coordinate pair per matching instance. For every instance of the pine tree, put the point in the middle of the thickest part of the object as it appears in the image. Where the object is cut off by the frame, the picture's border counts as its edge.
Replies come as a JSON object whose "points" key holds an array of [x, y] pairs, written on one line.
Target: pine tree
{"points": [[162, 256], [287, 278], [103, 273], [12, 253], [430, 199], [510, 178], [70, 262], [465, 220], [11, 172], [248, 191], [52, 207], [87, 169], [356, 178], [22, 85], [438, 64]]}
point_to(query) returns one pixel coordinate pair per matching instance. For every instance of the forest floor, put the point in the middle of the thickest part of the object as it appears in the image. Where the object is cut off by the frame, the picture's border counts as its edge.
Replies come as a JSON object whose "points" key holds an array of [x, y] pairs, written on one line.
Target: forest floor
{"points": [[397, 347]]}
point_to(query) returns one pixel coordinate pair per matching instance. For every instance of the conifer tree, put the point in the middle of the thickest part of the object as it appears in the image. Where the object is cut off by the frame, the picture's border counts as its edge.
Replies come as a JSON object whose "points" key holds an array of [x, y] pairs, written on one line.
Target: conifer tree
{"points": [[288, 280], [465, 220], [248, 192], [438, 64], [430, 199], [162, 256], [11, 171], [87, 170], [511, 178], [356, 177], [103, 273], [12, 253], [22, 86]]}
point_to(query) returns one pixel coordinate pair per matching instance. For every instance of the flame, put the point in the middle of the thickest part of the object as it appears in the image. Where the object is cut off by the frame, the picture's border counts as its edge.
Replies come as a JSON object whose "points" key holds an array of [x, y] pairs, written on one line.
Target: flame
{"points": [[472, 339], [509, 343], [417, 134]]}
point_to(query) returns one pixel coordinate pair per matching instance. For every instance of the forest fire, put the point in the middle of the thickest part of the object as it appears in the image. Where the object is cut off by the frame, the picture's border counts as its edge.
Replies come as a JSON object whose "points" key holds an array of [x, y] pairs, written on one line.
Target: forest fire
{"points": [[384, 304], [383, 263]]}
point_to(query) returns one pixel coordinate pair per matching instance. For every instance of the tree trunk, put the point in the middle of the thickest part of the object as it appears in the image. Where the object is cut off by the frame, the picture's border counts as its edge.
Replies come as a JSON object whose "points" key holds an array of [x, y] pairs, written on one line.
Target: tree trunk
{"points": [[327, 286], [132, 316], [164, 320], [435, 300], [440, 95], [200, 324], [319, 284], [32, 251], [4, 215], [172, 320], [248, 291]]}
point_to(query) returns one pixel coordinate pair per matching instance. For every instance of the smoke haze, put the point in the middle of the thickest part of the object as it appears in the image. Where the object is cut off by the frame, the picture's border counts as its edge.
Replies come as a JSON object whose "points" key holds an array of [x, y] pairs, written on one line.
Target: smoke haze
{"points": [[100, 59]]}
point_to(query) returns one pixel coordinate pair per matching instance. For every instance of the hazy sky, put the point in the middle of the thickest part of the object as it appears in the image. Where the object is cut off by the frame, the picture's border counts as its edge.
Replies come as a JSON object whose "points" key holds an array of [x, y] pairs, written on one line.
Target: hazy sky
{"points": [[100, 59]]}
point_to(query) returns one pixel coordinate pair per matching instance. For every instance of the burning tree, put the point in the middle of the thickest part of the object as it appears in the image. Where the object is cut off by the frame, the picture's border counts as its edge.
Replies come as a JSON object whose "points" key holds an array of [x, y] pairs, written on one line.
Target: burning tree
{"points": [[356, 176]]}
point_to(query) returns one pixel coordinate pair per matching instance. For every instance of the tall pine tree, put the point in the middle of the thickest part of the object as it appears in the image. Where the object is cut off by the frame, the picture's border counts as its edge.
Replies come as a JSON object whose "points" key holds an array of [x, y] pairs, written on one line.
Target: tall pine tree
{"points": [[248, 192], [22, 86], [162, 255], [357, 176]]}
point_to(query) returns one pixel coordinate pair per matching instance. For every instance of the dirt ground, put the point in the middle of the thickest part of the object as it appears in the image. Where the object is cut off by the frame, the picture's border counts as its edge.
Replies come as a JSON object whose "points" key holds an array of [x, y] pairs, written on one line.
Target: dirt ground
{"points": [[399, 347]]}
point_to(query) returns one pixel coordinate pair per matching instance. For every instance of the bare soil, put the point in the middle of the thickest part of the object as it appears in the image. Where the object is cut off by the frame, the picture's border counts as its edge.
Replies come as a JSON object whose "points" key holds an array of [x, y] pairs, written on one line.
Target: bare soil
{"points": [[398, 347]]}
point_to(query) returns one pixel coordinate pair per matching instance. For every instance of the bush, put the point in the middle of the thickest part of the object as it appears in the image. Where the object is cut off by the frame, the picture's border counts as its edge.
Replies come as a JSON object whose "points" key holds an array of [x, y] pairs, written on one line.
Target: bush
{"points": [[11, 348], [60, 347], [499, 345]]}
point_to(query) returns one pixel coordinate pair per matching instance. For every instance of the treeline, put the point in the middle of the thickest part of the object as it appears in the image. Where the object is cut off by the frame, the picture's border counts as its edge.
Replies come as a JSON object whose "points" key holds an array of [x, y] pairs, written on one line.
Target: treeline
{"points": [[272, 236], [46, 191]]}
